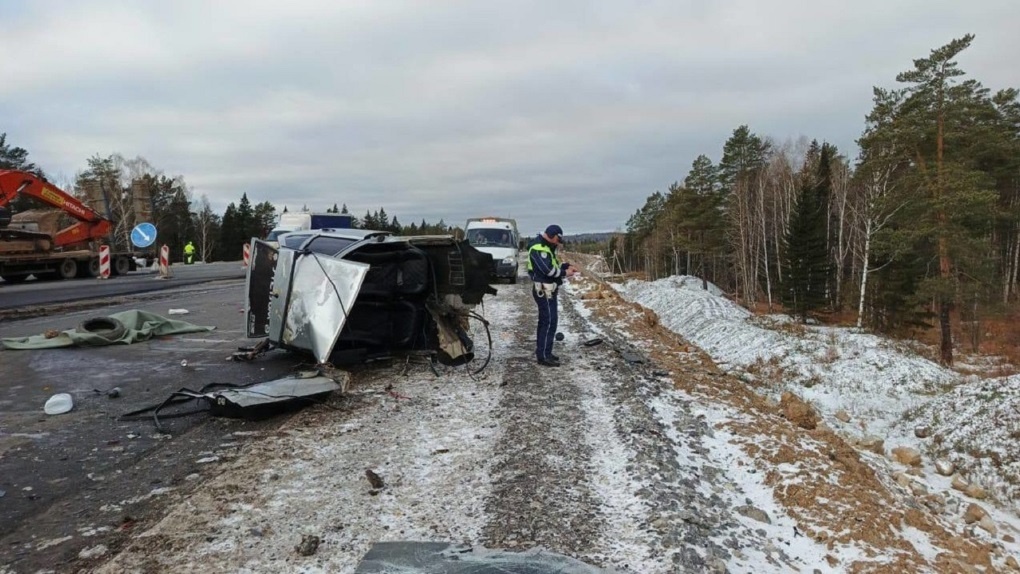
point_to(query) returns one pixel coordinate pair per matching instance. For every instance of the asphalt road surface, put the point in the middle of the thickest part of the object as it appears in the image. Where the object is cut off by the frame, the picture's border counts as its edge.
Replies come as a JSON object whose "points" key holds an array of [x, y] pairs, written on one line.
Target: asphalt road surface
{"points": [[86, 473], [20, 298]]}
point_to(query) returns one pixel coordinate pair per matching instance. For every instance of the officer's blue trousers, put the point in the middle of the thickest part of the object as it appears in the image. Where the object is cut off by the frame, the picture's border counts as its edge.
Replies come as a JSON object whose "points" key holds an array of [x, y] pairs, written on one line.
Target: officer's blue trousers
{"points": [[547, 319]]}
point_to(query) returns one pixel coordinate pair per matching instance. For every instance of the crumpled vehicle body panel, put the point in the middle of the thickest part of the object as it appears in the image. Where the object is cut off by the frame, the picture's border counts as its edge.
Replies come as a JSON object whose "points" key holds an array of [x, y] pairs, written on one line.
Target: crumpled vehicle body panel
{"points": [[351, 296]]}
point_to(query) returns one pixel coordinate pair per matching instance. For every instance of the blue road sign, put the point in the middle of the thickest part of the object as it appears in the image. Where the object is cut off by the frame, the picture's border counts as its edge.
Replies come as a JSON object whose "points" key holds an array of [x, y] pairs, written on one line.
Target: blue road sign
{"points": [[143, 235]]}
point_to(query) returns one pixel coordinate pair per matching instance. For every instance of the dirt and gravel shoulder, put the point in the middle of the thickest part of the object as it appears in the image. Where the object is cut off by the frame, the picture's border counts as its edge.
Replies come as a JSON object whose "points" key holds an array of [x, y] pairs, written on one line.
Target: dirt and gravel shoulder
{"points": [[638, 455]]}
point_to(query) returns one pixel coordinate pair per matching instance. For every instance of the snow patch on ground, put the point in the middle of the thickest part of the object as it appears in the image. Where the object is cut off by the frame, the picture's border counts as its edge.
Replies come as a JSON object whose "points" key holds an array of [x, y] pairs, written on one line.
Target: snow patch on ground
{"points": [[614, 484], [834, 368], [885, 387], [979, 426], [749, 491]]}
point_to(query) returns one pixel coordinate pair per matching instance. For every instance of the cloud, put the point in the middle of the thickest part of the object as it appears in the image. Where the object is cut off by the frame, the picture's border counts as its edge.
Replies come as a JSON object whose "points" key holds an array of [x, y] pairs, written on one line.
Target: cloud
{"points": [[570, 111]]}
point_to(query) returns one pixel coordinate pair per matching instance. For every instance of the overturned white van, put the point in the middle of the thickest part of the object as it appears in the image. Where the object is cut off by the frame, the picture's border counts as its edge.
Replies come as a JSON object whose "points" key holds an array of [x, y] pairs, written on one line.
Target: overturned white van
{"points": [[349, 296]]}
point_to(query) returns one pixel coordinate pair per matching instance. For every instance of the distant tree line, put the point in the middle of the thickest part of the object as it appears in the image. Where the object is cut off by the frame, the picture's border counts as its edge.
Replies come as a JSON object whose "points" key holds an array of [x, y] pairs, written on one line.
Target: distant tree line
{"points": [[922, 229], [178, 216]]}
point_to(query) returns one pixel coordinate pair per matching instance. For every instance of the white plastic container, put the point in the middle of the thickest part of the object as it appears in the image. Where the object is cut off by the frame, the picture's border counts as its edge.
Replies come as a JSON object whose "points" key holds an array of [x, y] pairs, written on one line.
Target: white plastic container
{"points": [[58, 404]]}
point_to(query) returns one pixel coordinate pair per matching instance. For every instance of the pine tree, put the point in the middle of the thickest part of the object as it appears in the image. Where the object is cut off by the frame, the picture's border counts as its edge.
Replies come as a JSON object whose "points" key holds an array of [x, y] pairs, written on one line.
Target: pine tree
{"points": [[246, 219], [264, 219], [1004, 166], [936, 122], [703, 178], [807, 264], [13, 157], [183, 227], [743, 154], [704, 216], [232, 239], [17, 158]]}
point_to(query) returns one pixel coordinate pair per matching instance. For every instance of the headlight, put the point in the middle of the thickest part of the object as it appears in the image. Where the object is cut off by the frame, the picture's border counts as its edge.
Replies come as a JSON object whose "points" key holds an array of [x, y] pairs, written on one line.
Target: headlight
{"points": [[509, 260]]}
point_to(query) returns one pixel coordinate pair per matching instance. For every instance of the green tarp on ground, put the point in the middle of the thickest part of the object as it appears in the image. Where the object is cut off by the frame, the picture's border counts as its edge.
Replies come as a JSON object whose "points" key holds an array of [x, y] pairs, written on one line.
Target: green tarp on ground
{"points": [[138, 326]]}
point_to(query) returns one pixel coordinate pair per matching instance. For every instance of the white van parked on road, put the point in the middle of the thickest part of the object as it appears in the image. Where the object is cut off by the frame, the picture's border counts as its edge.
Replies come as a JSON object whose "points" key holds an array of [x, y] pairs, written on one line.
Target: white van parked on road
{"points": [[498, 237]]}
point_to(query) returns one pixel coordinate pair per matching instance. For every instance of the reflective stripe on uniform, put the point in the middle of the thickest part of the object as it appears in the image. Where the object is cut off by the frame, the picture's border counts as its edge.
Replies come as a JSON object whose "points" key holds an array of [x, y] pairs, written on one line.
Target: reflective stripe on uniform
{"points": [[545, 248]]}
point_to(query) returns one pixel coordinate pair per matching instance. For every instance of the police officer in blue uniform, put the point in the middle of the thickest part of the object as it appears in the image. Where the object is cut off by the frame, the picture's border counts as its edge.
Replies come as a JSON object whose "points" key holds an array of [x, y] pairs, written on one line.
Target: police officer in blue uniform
{"points": [[547, 273]]}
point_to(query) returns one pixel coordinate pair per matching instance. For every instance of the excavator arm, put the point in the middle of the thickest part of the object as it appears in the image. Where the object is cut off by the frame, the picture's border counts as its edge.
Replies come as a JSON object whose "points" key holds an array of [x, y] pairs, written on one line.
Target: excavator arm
{"points": [[91, 225]]}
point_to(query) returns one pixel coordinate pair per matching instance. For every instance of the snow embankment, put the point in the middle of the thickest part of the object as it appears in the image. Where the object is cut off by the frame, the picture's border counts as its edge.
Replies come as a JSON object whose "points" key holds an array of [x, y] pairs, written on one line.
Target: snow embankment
{"points": [[885, 387]]}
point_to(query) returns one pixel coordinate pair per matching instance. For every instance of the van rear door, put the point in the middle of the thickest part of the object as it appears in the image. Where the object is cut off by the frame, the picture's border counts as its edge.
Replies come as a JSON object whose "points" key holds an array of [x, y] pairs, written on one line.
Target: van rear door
{"points": [[300, 300]]}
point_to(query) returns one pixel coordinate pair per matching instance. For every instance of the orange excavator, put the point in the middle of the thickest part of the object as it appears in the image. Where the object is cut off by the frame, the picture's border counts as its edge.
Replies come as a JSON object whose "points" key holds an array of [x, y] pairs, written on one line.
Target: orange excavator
{"points": [[70, 252], [90, 224]]}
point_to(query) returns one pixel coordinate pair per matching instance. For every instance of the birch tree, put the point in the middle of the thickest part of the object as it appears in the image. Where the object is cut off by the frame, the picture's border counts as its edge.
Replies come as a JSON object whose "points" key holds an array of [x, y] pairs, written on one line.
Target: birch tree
{"points": [[207, 228]]}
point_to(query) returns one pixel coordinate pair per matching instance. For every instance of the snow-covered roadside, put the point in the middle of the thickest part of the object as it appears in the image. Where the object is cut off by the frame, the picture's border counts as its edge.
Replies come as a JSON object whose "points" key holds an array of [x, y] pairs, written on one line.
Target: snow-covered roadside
{"points": [[309, 479], [873, 380], [886, 390]]}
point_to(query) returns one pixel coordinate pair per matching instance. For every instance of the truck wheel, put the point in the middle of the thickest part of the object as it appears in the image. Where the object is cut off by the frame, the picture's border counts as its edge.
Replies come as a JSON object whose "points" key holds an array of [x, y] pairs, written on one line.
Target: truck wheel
{"points": [[106, 327], [93, 267], [68, 269], [513, 280], [121, 266]]}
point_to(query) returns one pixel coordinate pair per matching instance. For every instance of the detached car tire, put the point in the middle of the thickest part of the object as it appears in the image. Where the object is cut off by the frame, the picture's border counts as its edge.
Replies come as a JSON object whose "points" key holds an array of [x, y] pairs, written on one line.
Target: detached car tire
{"points": [[106, 327]]}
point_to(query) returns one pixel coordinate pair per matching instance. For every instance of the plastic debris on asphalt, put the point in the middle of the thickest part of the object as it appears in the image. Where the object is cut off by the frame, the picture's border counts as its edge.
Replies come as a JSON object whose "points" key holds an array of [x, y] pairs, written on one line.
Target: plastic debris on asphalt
{"points": [[58, 404]]}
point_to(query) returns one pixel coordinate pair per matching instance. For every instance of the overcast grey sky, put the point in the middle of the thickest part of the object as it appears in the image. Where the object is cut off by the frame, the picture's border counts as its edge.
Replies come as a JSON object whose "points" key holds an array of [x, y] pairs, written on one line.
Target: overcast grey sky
{"points": [[548, 111]]}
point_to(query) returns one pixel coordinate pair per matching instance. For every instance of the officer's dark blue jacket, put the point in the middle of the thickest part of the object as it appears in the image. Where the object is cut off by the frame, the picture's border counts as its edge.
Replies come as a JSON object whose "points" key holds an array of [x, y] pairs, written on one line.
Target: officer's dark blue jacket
{"points": [[542, 269]]}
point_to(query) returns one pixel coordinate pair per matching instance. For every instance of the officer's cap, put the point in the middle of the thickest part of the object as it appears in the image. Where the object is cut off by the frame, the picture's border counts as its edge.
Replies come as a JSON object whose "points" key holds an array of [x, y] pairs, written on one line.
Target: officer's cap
{"points": [[554, 231]]}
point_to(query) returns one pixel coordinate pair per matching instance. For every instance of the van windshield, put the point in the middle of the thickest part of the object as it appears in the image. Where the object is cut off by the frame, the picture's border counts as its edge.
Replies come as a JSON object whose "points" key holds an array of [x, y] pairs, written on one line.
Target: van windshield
{"points": [[491, 238]]}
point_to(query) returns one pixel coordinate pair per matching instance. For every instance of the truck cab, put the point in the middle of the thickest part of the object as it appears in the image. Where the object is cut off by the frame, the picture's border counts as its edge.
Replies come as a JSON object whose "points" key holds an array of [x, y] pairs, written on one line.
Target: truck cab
{"points": [[302, 221], [498, 237]]}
